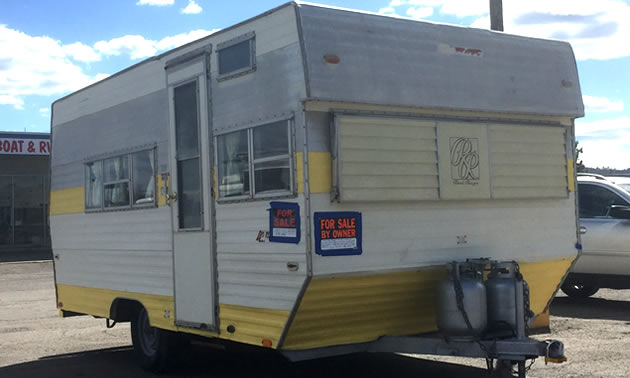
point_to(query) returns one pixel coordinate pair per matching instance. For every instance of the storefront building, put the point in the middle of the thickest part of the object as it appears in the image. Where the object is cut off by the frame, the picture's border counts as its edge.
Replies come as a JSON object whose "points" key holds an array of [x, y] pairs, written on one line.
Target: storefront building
{"points": [[24, 194]]}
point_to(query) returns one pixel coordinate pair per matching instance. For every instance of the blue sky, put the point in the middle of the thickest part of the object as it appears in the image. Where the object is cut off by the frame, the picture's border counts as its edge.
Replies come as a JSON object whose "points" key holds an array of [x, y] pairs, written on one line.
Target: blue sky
{"points": [[49, 49]]}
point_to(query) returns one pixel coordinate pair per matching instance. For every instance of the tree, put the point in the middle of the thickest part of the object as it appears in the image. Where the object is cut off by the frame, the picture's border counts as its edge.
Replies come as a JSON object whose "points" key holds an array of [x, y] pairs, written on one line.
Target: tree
{"points": [[579, 165]]}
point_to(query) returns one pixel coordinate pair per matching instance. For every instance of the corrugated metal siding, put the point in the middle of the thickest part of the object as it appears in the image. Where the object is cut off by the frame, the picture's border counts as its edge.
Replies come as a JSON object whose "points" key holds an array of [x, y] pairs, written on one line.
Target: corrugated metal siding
{"points": [[528, 161], [416, 234], [122, 250], [387, 159], [253, 273], [344, 310]]}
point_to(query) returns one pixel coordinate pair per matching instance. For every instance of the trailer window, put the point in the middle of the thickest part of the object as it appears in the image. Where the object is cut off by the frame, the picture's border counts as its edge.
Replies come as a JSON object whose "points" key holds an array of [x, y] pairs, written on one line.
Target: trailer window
{"points": [[271, 158], [119, 182], [233, 164], [143, 177], [116, 181], [236, 57], [261, 154], [94, 185]]}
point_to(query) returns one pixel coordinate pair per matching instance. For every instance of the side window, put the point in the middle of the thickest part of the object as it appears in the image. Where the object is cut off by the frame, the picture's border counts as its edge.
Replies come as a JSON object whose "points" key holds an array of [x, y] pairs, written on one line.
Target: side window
{"points": [[237, 57], [94, 185], [116, 181], [143, 177], [233, 164], [119, 182], [595, 201], [260, 156]]}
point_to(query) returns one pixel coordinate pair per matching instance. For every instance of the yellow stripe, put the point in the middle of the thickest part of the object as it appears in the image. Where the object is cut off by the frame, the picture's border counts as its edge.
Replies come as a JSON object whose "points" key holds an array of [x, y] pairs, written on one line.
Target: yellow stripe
{"points": [[67, 201], [344, 310], [72, 200], [251, 324], [319, 172], [571, 175], [162, 188]]}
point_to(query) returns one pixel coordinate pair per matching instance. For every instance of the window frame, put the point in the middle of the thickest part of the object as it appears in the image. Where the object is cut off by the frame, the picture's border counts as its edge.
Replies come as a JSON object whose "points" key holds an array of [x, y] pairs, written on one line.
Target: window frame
{"points": [[584, 184], [129, 181], [249, 37], [290, 157]]}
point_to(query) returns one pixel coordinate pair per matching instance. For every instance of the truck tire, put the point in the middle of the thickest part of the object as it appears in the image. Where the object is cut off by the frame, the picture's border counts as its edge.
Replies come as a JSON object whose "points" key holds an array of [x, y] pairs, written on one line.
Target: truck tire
{"points": [[579, 291], [151, 345]]}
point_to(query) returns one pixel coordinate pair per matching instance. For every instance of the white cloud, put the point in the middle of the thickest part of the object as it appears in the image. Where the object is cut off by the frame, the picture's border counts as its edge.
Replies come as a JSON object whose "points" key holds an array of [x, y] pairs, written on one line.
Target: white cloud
{"points": [[136, 46], [605, 143], [36, 66], [44, 110], [81, 53], [159, 3], [44, 66], [420, 12], [601, 105], [192, 8], [595, 29], [388, 10], [182, 39], [17, 102]]}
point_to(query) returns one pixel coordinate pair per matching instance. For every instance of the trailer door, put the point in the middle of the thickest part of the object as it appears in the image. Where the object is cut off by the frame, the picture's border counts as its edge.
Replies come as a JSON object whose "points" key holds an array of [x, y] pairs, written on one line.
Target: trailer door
{"points": [[190, 193]]}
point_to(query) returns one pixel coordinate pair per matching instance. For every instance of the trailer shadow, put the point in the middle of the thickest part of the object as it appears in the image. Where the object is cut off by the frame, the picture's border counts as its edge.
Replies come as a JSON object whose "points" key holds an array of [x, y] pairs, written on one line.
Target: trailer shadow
{"points": [[591, 308], [208, 362]]}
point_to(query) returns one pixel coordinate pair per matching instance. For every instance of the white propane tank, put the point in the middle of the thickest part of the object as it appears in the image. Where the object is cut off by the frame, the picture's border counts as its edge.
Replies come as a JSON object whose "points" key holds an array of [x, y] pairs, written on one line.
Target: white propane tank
{"points": [[461, 302]]}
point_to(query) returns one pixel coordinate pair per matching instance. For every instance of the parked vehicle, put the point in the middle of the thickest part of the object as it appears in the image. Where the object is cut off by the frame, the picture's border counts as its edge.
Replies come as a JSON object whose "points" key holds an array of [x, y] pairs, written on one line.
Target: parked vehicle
{"points": [[604, 209], [622, 181], [301, 180]]}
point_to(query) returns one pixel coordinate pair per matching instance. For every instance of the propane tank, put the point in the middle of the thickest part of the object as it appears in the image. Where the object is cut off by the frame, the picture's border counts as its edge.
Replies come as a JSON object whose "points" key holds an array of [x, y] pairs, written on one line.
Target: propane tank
{"points": [[506, 299], [461, 302]]}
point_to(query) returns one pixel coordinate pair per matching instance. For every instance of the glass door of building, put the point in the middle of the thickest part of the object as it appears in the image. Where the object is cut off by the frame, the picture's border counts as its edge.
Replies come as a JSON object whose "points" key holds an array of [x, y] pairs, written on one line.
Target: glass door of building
{"points": [[6, 210], [23, 210]]}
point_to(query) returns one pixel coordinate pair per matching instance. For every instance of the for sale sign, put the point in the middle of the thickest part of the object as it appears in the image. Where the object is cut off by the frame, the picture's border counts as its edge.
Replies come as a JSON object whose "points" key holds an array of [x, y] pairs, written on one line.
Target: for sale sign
{"points": [[24, 144], [284, 222], [338, 233]]}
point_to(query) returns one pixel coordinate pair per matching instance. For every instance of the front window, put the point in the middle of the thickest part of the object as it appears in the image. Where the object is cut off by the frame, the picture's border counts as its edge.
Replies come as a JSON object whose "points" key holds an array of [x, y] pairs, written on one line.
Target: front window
{"points": [[237, 57], [260, 155], [595, 201]]}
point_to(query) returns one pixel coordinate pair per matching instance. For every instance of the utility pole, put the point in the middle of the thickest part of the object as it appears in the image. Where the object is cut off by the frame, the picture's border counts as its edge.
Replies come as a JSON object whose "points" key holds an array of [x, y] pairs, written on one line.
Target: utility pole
{"points": [[496, 15]]}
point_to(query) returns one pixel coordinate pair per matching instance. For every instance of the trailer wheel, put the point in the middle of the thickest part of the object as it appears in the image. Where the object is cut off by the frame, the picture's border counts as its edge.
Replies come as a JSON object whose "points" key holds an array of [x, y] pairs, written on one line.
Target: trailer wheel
{"points": [[151, 345], [579, 291]]}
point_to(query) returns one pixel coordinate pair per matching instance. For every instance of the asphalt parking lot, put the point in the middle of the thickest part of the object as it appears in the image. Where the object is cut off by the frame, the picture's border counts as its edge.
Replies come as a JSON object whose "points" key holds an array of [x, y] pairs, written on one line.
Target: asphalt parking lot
{"points": [[36, 343]]}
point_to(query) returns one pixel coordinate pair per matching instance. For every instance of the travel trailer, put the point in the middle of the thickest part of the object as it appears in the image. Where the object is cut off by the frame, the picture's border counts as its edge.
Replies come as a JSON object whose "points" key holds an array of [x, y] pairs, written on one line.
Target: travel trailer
{"points": [[322, 181]]}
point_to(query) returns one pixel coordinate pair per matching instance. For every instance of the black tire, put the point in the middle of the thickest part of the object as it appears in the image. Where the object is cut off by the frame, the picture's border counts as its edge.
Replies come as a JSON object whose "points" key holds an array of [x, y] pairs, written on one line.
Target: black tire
{"points": [[579, 291], [151, 345]]}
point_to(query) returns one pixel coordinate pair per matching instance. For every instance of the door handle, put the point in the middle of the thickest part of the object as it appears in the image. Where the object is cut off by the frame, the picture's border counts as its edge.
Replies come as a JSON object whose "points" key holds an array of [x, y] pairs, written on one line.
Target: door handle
{"points": [[582, 230], [171, 197]]}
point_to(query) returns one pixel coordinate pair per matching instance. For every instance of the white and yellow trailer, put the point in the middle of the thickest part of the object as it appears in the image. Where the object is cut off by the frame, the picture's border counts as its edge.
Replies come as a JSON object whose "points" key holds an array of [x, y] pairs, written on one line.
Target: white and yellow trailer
{"points": [[297, 181]]}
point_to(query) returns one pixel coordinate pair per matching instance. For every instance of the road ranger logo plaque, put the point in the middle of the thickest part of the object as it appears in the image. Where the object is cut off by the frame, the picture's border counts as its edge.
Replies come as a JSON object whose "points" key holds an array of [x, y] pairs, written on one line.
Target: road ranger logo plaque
{"points": [[464, 161]]}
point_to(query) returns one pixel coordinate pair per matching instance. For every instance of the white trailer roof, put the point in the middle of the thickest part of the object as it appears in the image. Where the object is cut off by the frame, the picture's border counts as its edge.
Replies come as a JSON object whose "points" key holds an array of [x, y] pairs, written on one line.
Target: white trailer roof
{"points": [[395, 61]]}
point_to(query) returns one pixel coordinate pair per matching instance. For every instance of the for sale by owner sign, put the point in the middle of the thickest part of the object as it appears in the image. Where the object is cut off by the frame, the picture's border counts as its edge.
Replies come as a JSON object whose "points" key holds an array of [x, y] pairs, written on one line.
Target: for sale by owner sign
{"points": [[24, 144], [338, 233]]}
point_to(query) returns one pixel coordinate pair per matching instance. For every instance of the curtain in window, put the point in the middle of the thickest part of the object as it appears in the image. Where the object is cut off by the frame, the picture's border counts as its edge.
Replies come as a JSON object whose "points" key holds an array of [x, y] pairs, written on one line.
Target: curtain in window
{"points": [[95, 185]]}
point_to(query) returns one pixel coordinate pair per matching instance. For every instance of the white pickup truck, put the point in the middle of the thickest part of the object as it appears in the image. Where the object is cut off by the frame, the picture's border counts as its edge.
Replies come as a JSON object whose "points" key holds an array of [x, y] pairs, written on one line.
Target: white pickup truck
{"points": [[605, 227]]}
